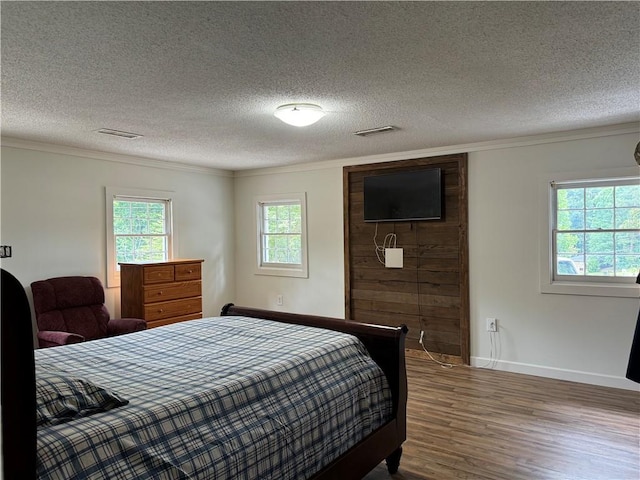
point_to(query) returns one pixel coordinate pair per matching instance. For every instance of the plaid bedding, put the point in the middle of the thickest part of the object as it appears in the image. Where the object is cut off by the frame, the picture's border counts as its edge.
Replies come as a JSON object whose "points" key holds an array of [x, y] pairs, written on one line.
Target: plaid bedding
{"points": [[216, 398]]}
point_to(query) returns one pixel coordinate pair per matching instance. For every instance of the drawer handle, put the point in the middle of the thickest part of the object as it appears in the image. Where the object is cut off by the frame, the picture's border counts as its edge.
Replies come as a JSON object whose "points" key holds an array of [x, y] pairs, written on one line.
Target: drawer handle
{"points": [[160, 292], [160, 310], [189, 271]]}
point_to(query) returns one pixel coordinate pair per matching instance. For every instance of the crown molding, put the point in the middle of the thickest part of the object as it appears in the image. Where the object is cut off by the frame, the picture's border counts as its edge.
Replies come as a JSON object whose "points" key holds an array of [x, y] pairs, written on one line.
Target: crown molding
{"points": [[554, 137], [111, 157]]}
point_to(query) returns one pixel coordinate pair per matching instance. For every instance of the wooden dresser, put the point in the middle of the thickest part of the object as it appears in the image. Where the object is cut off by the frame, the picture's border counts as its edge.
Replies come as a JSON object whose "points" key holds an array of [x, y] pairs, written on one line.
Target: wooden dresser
{"points": [[161, 292]]}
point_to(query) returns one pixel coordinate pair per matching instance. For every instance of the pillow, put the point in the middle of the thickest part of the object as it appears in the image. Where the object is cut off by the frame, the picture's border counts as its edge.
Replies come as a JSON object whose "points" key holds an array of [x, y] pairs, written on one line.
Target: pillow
{"points": [[61, 398]]}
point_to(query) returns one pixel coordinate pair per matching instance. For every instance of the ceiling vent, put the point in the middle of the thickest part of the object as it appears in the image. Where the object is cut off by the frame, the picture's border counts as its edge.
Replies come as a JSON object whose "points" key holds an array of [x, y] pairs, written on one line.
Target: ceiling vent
{"points": [[374, 131], [118, 133]]}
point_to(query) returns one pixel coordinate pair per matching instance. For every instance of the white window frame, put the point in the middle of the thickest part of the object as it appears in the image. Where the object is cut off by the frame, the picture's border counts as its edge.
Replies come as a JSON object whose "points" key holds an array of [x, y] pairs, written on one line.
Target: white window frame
{"points": [[113, 193], [281, 269], [569, 284]]}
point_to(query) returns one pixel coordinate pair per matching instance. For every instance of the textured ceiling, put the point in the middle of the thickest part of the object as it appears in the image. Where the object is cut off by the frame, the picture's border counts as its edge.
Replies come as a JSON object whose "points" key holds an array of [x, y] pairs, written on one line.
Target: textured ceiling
{"points": [[201, 80]]}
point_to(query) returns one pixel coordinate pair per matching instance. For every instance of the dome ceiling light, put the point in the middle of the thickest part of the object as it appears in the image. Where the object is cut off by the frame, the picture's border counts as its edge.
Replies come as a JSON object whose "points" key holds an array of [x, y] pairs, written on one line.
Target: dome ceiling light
{"points": [[299, 114]]}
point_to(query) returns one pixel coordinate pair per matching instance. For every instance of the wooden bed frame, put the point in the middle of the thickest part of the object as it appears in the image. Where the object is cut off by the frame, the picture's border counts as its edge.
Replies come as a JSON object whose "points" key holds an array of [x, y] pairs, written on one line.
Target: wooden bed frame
{"points": [[385, 344], [18, 382]]}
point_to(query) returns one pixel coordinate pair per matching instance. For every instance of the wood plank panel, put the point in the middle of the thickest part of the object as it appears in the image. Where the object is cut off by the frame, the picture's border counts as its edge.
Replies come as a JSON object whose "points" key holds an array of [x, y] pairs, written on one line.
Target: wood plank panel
{"points": [[443, 312], [441, 324], [411, 251], [386, 318], [430, 292], [435, 348], [428, 278], [438, 264], [386, 285], [384, 296], [388, 307]]}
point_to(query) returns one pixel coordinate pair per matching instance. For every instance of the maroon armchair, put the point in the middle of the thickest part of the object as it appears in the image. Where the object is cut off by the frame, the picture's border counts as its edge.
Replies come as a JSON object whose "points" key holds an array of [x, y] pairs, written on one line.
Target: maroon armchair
{"points": [[72, 310]]}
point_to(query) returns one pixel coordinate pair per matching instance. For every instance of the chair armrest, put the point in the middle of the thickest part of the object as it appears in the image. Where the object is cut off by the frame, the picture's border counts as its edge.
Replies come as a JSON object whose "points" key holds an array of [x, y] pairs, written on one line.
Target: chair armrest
{"points": [[54, 338], [118, 326]]}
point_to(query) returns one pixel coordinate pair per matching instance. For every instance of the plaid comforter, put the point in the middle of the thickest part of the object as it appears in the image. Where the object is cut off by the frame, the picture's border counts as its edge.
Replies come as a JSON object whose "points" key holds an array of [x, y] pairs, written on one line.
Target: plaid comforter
{"points": [[216, 398]]}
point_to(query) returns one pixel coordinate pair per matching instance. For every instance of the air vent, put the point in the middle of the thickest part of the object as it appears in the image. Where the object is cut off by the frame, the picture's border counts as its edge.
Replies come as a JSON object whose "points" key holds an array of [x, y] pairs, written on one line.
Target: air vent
{"points": [[374, 131], [118, 133]]}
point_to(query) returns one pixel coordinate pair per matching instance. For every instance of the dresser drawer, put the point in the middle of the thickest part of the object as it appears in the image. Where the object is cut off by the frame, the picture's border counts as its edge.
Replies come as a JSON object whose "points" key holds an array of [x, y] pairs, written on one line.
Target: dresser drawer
{"points": [[157, 311], [171, 291], [168, 321], [161, 292], [187, 271], [158, 274]]}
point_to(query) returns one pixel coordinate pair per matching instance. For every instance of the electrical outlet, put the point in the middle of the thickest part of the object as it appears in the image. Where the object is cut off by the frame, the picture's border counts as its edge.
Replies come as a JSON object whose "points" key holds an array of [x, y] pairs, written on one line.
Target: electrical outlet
{"points": [[492, 324], [279, 300], [5, 251]]}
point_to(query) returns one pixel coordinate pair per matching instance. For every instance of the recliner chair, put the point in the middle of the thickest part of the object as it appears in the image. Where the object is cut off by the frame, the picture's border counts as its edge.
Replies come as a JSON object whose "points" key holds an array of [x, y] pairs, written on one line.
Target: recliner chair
{"points": [[71, 310]]}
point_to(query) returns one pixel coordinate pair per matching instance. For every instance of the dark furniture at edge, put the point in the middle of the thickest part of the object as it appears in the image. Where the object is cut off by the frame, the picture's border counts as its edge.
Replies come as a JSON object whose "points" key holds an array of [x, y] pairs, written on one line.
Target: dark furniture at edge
{"points": [[633, 367], [18, 382], [386, 346]]}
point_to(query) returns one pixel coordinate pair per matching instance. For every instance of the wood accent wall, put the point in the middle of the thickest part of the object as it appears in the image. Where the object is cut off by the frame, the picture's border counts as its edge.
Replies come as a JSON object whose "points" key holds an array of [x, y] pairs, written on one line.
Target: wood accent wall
{"points": [[431, 291]]}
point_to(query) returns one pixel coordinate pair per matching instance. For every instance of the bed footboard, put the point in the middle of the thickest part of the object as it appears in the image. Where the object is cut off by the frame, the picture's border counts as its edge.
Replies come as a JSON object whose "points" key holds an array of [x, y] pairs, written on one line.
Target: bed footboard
{"points": [[386, 346]]}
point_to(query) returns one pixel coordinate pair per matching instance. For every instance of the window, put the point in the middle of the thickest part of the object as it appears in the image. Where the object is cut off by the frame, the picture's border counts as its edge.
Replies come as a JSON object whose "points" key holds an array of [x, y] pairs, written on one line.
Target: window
{"points": [[138, 229], [594, 239], [281, 238], [597, 230]]}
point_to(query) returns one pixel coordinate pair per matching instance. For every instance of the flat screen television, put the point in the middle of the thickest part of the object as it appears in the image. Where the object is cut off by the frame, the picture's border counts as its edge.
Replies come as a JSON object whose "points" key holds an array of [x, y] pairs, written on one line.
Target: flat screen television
{"points": [[403, 196]]}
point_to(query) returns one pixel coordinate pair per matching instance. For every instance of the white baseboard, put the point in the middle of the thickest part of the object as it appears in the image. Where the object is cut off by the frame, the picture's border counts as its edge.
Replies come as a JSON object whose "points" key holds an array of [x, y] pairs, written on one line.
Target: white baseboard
{"points": [[557, 373]]}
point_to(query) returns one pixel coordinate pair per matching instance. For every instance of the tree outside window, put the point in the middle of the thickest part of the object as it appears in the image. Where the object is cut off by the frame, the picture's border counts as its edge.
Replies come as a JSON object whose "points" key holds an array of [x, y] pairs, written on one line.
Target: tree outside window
{"points": [[597, 229], [281, 235], [282, 232], [140, 229]]}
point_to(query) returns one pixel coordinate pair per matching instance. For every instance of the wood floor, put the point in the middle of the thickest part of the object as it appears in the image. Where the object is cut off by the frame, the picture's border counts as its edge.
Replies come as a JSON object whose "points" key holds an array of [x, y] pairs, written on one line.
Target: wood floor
{"points": [[482, 424]]}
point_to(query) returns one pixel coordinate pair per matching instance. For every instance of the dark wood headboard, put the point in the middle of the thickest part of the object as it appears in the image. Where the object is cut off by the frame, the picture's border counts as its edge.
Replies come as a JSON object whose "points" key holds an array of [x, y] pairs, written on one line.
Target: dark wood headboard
{"points": [[18, 382]]}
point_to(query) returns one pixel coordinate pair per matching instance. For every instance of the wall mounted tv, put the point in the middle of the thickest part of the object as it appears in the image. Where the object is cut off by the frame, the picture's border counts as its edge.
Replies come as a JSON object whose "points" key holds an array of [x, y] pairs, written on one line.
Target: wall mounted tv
{"points": [[403, 196]]}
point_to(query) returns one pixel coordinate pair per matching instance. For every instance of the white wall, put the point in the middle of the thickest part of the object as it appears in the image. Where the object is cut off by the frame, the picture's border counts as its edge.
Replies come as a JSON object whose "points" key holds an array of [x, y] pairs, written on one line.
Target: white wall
{"points": [[323, 292], [571, 337], [587, 338], [53, 215]]}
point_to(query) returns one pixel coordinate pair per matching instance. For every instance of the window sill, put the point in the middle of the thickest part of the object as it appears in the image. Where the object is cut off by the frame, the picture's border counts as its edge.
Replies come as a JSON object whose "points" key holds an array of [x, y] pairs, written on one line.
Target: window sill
{"points": [[630, 290], [282, 272]]}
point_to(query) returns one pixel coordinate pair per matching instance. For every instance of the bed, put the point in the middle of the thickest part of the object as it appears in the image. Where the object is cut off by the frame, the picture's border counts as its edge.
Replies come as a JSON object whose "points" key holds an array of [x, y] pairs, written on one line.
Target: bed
{"points": [[247, 394]]}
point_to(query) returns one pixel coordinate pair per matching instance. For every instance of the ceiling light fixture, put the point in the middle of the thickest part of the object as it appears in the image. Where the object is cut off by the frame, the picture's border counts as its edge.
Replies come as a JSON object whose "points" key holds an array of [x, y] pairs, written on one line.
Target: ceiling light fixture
{"points": [[299, 114]]}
